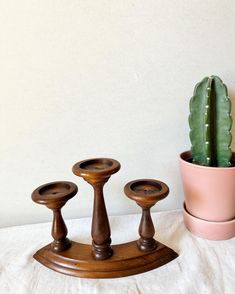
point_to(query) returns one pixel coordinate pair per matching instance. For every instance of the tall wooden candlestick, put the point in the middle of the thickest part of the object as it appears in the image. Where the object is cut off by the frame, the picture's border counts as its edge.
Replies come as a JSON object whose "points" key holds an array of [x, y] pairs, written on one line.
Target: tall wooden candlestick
{"points": [[97, 172]]}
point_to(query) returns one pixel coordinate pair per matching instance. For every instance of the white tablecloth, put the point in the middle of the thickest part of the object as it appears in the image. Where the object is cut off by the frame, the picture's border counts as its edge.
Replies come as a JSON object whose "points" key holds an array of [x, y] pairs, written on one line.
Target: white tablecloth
{"points": [[202, 266]]}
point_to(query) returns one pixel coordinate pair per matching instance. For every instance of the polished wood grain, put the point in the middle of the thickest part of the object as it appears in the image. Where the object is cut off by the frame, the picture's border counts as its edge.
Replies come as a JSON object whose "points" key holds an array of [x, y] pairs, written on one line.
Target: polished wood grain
{"points": [[146, 193], [100, 259], [126, 260], [54, 195], [97, 172]]}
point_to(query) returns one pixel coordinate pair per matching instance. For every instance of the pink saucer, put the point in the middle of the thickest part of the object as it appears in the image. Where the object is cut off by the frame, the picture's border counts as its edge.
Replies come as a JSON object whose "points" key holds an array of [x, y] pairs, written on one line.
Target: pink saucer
{"points": [[208, 229]]}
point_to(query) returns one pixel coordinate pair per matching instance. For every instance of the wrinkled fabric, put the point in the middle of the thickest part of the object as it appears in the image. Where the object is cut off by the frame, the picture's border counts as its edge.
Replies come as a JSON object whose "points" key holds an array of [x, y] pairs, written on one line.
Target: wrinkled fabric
{"points": [[204, 267]]}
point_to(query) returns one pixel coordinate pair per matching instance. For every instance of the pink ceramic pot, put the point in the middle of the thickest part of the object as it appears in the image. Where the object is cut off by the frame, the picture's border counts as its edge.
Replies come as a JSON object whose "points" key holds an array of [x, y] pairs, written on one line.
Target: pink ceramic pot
{"points": [[209, 198]]}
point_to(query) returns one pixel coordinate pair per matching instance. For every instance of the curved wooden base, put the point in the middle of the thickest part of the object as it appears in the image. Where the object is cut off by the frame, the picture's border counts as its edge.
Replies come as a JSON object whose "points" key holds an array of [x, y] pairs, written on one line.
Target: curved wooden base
{"points": [[127, 260]]}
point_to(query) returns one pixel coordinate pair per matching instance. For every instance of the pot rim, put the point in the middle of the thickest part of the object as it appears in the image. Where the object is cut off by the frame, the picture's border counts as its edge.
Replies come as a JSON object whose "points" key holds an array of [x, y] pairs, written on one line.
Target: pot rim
{"points": [[186, 155]]}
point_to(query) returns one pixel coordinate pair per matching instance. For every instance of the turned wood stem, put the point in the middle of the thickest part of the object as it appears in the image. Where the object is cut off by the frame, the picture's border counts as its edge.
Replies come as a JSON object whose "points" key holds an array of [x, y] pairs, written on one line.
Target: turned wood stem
{"points": [[100, 230], [59, 232], [146, 228], [100, 224], [146, 231]]}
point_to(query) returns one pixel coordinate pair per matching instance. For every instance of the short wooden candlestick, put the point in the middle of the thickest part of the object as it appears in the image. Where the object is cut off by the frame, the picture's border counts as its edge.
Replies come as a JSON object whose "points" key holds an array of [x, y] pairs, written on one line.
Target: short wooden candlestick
{"points": [[54, 195], [146, 193], [97, 172], [101, 260]]}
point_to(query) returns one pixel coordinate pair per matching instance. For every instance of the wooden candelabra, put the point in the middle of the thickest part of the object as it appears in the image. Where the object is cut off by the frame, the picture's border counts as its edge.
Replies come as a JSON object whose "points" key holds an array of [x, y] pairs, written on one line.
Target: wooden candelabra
{"points": [[101, 260]]}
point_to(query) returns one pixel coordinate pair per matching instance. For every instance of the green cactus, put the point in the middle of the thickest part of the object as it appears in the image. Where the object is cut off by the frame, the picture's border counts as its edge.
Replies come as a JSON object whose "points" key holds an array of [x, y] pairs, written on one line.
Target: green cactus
{"points": [[210, 123]]}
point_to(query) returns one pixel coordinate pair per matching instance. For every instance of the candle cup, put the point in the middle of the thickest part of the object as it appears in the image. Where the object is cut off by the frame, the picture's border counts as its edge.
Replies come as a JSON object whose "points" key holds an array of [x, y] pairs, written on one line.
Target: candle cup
{"points": [[97, 172], [146, 193]]}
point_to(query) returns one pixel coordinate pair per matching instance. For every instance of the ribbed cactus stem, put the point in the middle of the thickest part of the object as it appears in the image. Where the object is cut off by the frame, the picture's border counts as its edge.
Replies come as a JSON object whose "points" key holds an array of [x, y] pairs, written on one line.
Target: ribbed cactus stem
{"points": [[210, 123], [208, 143]]}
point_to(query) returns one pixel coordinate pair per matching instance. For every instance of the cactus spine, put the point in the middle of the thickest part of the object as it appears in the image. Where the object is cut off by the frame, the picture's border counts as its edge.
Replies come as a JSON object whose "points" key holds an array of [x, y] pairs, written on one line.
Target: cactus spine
{"points": [[210, 123]]}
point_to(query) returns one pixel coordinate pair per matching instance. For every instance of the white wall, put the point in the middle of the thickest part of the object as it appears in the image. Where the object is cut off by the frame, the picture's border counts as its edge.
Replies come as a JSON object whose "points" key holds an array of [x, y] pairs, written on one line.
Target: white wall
{"points": [[81, 79]]}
